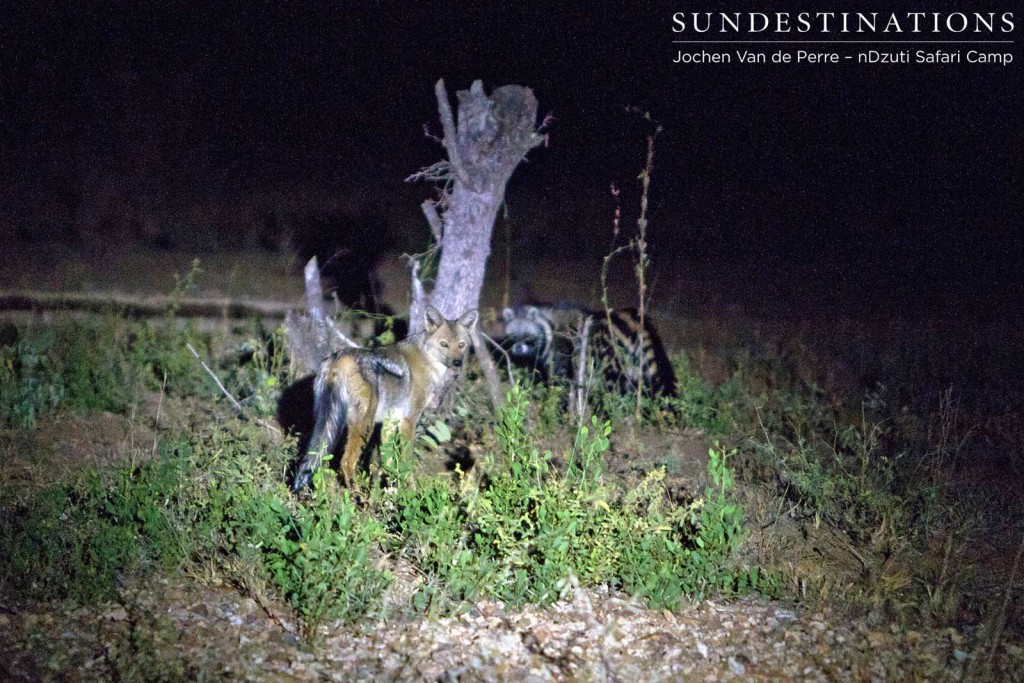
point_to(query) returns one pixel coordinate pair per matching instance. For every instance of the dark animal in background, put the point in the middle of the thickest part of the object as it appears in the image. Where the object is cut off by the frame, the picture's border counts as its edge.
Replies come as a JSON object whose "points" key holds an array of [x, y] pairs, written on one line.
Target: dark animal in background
{"points": [[546, 338], [532, 342]]}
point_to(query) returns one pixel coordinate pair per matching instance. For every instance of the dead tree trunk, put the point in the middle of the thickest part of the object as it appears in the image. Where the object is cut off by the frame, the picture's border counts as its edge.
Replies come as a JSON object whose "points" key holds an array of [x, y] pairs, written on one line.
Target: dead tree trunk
{"points": [[492, 136], [312, 336]]}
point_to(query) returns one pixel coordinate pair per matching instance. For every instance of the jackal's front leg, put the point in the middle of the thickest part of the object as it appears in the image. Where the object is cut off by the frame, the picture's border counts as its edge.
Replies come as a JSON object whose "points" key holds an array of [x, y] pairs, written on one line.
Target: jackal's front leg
{"points": [[407, 429], [396, 448]]}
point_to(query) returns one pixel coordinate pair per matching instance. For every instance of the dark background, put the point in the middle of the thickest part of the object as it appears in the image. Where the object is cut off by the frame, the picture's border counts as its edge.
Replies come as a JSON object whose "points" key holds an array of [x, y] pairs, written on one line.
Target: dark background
{"points": [[786, 187]]}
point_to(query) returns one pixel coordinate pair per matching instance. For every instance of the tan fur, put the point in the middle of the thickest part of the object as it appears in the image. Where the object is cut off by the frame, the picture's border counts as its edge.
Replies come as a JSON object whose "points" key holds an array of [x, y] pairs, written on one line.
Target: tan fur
{"points": [[357, 389]]}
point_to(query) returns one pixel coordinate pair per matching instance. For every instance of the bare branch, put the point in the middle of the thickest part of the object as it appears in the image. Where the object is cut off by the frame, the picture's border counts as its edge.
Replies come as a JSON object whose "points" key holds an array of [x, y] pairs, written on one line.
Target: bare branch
{"points": [[234, 403], [315, 303], [580, 404], [339, 335], [434, 219], [508, 359], [451, 140], [439, 171], [237, 406], [430, 136], [487, 366], [419, 296]]}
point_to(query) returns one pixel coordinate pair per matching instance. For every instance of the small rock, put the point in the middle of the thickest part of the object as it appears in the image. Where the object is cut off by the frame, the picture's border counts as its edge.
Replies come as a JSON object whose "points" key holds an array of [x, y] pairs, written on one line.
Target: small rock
{"points": [[116, 614], [247, 606], [702, 649], [542, 633], [288, 638], [737, 666], [880, 639]]}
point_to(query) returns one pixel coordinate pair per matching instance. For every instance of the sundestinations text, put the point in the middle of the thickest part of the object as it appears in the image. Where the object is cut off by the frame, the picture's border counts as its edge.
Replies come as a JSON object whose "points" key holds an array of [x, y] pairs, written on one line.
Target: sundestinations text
{"points": [[843, 22]]}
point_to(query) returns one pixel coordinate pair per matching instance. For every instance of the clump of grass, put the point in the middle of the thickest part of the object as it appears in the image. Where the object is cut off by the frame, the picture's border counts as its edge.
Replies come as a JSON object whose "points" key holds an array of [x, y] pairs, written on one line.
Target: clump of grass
{"points": [[74, 540], [873, 477]]}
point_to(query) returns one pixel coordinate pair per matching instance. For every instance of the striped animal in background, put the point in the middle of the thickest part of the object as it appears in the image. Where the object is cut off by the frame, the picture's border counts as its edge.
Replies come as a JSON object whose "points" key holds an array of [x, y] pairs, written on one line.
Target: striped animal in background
{"points": [[546, 339]]}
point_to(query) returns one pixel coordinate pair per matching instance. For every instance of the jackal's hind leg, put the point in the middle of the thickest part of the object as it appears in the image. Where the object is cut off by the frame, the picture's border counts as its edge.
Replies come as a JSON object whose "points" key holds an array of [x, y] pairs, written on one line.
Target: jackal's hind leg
{"points": [[360, 429]]}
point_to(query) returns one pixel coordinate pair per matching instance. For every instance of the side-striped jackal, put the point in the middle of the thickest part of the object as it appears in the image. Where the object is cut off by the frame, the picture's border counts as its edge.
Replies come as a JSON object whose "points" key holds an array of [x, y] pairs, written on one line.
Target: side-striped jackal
{"points": [[358, 388]]}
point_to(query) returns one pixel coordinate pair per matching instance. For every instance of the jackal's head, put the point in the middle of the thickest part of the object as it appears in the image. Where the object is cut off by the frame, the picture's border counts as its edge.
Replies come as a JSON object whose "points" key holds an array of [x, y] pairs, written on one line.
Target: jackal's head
{"points": [[447, 341]]}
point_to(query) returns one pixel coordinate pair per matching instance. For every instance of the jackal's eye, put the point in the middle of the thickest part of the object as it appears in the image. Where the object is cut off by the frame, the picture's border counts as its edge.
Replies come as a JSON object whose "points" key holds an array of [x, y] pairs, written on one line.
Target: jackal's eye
{"points": [[444, 344], [462, 344]]}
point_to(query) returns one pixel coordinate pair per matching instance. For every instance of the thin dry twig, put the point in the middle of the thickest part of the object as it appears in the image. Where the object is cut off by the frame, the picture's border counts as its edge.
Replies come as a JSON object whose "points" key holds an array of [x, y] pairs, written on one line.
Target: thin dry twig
{"points": [[339, 335], [508, 359], [234, 403], [429, 207], [237, 406], [581, 369], [487, 366]]}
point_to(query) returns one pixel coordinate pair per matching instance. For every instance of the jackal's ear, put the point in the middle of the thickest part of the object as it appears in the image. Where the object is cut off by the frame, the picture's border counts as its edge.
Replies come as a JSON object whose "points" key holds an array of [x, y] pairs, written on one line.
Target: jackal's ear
{"points": [[432, 319], [469, 318]]}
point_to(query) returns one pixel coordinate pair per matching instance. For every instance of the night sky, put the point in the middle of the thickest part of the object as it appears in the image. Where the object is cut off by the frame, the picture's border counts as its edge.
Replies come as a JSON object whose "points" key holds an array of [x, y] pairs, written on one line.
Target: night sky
{"points": [[827, 183]]}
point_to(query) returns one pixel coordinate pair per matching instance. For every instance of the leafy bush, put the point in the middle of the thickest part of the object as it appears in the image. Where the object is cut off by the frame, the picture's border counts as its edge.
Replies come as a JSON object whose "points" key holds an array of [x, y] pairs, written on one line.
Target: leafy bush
{"points": [[524, 532], [72, 541], [29, 385], [79, 364], [522, 535], [159, 349], [319, 556]]}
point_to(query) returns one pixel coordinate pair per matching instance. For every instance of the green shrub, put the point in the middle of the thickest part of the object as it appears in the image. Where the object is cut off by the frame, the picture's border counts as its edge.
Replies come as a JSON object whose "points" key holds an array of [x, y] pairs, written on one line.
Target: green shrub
{"points": [[159, 350], [95, 372], [72, 541], [215, 498], [29, 380], [219, 498], [79, 364], [319, 556], [528, 530]]}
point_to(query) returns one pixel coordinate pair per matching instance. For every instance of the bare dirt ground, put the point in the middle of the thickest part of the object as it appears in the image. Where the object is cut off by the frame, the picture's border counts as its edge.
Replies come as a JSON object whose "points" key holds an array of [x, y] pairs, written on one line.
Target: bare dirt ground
{"points": [[175, 629]]}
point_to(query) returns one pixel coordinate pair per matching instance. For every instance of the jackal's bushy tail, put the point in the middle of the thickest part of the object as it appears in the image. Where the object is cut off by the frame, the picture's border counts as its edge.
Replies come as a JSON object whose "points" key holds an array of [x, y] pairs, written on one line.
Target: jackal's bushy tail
{"points": [[329, 407]]}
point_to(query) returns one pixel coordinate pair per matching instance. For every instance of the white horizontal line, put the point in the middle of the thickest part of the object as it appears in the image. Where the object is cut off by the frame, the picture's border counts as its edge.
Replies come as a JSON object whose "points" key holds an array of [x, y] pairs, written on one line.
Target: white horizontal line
{"points": [[851, 42]]}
